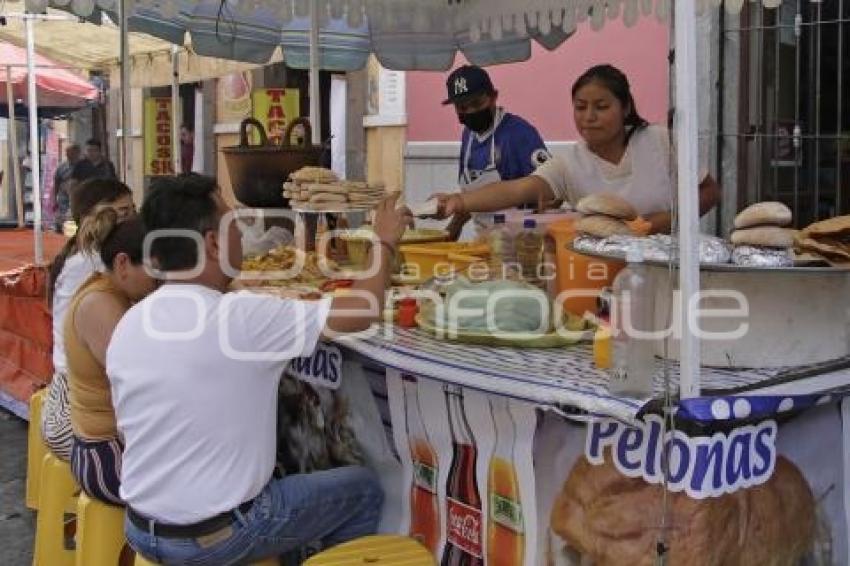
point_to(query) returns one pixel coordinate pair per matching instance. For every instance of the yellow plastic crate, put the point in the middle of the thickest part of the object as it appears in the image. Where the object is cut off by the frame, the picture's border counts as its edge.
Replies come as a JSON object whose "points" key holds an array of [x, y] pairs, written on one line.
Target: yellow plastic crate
{"points": [[358, 241], [421, 262]]}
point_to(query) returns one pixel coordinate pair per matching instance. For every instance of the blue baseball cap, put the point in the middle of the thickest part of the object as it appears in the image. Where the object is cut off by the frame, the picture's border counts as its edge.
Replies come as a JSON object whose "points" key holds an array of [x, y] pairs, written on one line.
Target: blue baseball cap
{"points": [[467, 81]]}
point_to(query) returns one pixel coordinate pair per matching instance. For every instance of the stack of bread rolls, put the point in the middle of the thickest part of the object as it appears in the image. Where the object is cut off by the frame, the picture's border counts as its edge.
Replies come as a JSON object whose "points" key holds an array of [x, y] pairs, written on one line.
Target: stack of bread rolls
{"points": [[605, 215], [829, 239], [317, 188], [762, 226]]}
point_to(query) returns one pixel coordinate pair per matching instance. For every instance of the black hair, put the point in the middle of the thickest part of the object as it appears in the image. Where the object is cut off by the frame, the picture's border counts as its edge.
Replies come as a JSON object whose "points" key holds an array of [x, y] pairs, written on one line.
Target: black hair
{"points": [[617, 83], [128, 237], [103, 233], [84, 199], [185, 202], [88, 194], [94, 142]]}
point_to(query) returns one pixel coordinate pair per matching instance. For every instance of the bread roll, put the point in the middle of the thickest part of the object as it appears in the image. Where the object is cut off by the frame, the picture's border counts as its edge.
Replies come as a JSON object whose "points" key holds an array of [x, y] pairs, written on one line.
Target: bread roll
{"points": [[327, 197], [602, 226], [768, 236], [838, 227], [608, 205], [315, 188], [764, 213], [613, 520], [832, 249], [315, 175]]}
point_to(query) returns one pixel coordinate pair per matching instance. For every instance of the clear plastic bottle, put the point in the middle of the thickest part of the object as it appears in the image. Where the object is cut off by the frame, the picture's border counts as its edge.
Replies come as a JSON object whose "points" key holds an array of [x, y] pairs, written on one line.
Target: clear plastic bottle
{"points": [[529, 250], [496, 238], [633, 353]]}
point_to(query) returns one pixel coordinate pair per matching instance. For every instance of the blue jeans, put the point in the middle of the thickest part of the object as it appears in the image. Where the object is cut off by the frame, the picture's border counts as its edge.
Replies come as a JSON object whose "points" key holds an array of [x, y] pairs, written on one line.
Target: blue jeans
{"points": [[320, 508]]}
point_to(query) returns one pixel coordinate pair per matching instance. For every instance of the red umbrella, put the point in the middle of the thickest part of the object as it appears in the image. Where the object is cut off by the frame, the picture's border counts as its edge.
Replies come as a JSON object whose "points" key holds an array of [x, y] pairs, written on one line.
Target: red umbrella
{"points": [[56, 87]]}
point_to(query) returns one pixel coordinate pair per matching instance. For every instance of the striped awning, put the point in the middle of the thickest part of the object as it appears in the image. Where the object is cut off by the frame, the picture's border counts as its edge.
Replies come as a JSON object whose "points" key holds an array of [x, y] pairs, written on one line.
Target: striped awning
{"points": [[403, 34]]}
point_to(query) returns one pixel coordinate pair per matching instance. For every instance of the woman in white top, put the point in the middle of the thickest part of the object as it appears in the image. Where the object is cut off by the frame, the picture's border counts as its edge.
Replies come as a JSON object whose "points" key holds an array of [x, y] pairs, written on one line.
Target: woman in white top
{"points": [[67, 273], [619, 153]]}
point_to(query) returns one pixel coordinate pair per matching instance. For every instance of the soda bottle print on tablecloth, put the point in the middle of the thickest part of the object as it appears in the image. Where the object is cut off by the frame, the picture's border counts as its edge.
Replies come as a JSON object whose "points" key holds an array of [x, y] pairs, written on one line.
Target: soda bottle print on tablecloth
{"points": [[505, 529], [424, 508], [464, 523]]}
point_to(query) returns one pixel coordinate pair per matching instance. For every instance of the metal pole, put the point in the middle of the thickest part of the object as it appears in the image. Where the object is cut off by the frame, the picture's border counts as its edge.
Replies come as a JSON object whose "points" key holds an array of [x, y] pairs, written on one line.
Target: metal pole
{"points": [[13, 148], [35, 154], [759, 118], [798, 131], [721, 117], [839, 118], [839, 203], [818, 75], [175, 110], [126, 118], [315, 106], [777, 71], [687, 148]]}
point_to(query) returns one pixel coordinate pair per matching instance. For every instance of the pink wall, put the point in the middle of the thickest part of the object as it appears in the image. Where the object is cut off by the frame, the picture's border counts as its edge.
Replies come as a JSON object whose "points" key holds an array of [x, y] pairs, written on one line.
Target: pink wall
{"points": [[539, 89]]}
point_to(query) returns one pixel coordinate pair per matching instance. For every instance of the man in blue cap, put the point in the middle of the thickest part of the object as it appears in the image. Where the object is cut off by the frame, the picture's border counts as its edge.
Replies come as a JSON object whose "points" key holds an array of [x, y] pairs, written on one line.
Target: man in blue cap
{"points": [[496, 145]]}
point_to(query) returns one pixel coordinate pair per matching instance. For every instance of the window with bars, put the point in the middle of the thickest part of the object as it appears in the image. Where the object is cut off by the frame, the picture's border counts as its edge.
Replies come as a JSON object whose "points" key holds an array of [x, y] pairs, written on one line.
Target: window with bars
{"points": [[786, 89]]}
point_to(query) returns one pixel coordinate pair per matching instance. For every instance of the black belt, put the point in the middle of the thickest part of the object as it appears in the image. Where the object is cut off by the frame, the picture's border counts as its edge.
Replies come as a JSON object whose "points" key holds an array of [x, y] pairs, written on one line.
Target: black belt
{"points": [[203, 528]]}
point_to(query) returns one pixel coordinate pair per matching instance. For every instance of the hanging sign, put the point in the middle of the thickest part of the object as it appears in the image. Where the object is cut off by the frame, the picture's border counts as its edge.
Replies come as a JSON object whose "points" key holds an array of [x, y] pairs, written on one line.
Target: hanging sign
{"points": [[275, 108], [158, 149], [322, 369], [234, 97]]}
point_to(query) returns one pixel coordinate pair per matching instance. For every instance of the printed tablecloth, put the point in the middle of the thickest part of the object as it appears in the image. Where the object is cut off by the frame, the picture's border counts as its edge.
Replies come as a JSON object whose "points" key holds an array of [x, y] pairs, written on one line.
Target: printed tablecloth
{"points": [[567, 379]]}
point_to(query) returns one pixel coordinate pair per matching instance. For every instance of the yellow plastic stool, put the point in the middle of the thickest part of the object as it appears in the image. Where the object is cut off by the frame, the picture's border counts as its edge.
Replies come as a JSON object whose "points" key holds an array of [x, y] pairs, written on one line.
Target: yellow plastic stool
{"points": [[377, 549], [100, 532], [142, 561], [36, 449], [56, 492]]}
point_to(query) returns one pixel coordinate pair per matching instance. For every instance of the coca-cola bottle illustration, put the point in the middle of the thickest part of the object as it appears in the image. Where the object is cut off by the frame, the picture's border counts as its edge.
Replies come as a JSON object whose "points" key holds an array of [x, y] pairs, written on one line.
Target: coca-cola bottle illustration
{"points": [[463, 502], [424, 507]]}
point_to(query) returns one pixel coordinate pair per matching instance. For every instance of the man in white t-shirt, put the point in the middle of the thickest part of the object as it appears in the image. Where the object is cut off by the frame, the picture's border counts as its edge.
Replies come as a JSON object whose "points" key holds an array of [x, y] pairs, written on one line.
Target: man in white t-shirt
{"points": [[194, 373]]}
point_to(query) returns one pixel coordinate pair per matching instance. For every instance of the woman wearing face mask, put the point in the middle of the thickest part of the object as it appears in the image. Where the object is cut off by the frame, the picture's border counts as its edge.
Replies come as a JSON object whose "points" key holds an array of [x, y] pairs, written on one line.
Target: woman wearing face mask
{"points": [[495, 146], [619, 153], [93, 314]]}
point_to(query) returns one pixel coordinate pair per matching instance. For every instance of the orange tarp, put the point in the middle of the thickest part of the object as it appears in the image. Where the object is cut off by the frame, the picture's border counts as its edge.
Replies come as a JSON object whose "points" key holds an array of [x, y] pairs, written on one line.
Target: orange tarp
{"points": [[17, 248], [26, 341]]}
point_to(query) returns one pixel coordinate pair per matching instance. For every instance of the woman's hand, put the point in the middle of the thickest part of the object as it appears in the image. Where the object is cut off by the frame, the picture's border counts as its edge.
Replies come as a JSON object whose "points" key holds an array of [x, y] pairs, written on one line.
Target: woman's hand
{"points": [[449, 204], [391, 222]]}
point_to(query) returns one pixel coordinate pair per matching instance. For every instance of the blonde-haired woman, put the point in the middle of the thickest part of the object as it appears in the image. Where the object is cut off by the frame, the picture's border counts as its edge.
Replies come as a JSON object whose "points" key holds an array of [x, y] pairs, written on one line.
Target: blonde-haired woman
{"points": [[71, 267], [95, 311]]}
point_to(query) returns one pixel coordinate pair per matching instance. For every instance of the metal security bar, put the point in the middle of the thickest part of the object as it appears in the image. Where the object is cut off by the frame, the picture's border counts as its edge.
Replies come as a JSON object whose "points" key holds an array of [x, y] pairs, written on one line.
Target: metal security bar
{"points": [[792, 140]]}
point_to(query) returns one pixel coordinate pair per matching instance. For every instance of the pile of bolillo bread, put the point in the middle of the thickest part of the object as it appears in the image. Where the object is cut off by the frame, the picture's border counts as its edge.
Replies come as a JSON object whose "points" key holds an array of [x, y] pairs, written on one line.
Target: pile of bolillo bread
{"points": [[319, 189]]}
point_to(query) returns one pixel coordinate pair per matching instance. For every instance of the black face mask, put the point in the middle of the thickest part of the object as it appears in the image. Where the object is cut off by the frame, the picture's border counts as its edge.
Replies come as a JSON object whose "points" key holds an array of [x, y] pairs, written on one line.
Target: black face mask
{"points": [[479, 121]]}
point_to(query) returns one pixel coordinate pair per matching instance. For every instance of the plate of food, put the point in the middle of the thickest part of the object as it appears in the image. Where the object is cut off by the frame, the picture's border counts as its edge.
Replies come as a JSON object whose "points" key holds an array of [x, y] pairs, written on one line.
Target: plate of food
{"points": [[500, 313], [286, 267]]}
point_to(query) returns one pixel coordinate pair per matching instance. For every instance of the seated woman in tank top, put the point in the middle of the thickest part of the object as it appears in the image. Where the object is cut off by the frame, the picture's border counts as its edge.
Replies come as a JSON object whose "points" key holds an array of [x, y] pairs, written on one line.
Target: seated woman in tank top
{"points": [[94, 312], [620, 153], [68, 271]]}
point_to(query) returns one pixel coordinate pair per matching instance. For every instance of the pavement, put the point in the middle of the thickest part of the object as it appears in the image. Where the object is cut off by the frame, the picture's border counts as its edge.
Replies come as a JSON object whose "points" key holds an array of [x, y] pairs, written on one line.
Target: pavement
{"points": [[17, 523]]}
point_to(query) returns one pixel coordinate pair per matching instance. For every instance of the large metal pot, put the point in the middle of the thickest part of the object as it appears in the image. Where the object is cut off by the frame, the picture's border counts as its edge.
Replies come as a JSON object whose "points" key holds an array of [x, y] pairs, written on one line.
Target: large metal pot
{"points": [[258, 172]]}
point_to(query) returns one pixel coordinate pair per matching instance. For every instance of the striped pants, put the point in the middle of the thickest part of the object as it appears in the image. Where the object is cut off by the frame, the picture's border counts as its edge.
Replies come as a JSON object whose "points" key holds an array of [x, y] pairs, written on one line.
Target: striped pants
{"points": [[96, 466], [56, 418]]}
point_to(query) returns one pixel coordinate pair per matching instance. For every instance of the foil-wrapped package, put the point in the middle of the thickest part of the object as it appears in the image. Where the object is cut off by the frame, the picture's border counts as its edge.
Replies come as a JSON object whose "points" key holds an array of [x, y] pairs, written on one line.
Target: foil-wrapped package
{"points": [[714, 250], [658, 247], [588, 244], [757, 256]]}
